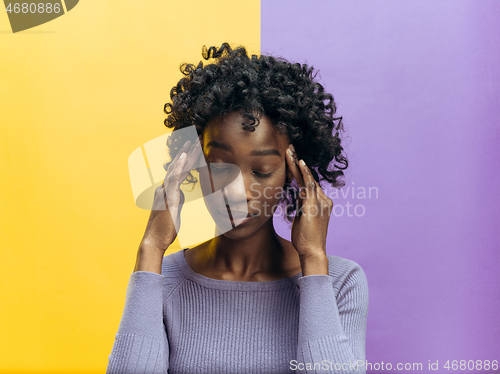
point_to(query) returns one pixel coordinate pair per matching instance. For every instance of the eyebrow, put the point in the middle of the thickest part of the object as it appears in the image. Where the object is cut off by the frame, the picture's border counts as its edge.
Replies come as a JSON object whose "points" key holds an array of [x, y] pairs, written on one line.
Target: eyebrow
{"points": [[260, 152]]}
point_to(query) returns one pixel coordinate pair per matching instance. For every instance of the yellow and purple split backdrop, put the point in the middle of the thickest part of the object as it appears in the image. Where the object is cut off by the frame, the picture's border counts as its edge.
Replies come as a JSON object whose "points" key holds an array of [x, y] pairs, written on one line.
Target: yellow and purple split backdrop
{"points": [[417, 85], [77, 95]]}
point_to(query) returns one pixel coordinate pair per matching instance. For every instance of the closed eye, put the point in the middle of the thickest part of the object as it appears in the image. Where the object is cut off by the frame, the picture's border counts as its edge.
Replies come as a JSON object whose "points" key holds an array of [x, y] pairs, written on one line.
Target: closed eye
{"points": [[260, 175], [218, 169], [227, 169]]}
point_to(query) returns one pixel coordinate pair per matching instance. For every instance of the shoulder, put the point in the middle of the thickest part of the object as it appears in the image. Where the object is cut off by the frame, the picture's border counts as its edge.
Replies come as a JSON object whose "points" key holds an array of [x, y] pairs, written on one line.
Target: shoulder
{"points": [[171, 271], [347, 275]]}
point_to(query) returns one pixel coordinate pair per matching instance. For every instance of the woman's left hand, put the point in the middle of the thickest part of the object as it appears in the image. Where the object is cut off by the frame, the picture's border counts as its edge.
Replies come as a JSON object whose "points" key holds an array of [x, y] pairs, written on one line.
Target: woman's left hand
{"points": [[310, 226]]}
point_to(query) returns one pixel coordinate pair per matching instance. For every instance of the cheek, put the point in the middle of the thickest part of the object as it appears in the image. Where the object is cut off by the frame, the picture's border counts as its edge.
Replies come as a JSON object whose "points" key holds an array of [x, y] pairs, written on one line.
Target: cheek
{"points": [[266, 199], [275, 184], [270, 192]]}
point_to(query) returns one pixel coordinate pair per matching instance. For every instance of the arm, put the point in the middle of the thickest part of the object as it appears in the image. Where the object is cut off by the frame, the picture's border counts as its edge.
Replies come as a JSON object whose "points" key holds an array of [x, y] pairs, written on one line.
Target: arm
{"points": [[332, 329], [141, 344]]}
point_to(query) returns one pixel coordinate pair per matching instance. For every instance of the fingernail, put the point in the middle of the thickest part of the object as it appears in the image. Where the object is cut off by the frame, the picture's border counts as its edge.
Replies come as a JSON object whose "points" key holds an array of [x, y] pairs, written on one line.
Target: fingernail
{"points": [[302, 163], [292, 147], [290, 152], [183, 156]]}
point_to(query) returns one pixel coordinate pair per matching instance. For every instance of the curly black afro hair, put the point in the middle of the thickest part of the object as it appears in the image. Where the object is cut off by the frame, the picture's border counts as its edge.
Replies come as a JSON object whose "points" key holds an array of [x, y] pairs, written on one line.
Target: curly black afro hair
{"points": [[285, 92]]}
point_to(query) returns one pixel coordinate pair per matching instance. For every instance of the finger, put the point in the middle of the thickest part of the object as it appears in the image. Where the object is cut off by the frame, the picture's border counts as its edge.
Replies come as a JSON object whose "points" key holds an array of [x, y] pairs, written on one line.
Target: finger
{"points": [[177, 173], [173, 170], [185, 147], [319, 190], [297, 172], [173, 176], [171, 188], [292, 162], [309, 183], [193, 156], [192, 161]]}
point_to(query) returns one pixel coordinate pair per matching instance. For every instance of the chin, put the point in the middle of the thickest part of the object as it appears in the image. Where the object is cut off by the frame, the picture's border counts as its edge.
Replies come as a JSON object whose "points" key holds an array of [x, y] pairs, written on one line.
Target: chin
{"points": [[245, 231]]}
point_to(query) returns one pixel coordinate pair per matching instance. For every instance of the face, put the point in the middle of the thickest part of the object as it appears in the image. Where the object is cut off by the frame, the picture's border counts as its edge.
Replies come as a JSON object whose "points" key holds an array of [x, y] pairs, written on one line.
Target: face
{"points": [[250, 170]]}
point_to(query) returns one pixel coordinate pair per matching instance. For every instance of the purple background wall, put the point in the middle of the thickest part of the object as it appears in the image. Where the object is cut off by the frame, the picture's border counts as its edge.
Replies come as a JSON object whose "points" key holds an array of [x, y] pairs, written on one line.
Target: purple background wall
{"points": [[417, 83]]}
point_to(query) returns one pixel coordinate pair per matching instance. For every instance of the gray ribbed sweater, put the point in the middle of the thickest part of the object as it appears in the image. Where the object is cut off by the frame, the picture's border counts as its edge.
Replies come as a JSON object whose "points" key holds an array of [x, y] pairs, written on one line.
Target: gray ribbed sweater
{"points": [[183, 322]]}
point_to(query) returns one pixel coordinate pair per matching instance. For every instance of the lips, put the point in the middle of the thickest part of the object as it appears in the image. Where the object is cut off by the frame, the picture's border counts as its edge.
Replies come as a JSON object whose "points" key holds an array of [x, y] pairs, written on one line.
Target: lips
{"points": [[238, 217], [239, 221], [238, 213]]}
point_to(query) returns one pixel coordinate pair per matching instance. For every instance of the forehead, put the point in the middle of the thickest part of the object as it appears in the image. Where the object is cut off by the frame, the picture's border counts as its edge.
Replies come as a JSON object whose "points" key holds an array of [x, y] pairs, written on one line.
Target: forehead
{"points": [[229, 129]]}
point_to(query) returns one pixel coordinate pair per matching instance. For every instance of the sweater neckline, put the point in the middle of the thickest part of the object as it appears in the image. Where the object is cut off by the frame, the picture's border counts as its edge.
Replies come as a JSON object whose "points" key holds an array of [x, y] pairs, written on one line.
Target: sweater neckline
{"points": [[233, 285]]}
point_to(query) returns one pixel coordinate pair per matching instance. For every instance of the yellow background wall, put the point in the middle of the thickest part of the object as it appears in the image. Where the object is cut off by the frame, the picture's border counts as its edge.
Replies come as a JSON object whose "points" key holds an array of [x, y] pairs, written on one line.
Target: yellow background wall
{"points": [[77, 96]]}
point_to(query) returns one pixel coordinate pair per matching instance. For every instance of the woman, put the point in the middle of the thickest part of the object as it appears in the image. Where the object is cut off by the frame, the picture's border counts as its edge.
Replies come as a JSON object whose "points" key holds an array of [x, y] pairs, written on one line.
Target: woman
{"points": [[246, 301]]}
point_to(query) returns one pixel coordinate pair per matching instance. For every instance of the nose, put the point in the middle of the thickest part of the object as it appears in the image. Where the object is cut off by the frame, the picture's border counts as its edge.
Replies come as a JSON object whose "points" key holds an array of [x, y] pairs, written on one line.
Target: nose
{"points": [[239, 191]]}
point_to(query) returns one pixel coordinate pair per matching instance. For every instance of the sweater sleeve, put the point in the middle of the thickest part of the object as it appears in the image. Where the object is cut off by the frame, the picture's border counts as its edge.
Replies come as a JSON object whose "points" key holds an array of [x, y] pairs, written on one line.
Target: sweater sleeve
{"points": [[141, 344], [332, 329]]}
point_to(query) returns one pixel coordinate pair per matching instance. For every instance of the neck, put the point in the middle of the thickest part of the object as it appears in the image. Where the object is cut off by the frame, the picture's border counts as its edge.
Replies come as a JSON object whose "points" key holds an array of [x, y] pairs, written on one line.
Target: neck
{"points": [[261, 253]]}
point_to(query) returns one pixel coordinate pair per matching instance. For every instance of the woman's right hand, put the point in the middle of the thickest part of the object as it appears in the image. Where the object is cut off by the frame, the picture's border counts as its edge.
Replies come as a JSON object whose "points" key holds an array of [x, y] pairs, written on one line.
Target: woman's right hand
{"points": [[164, 219]]}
